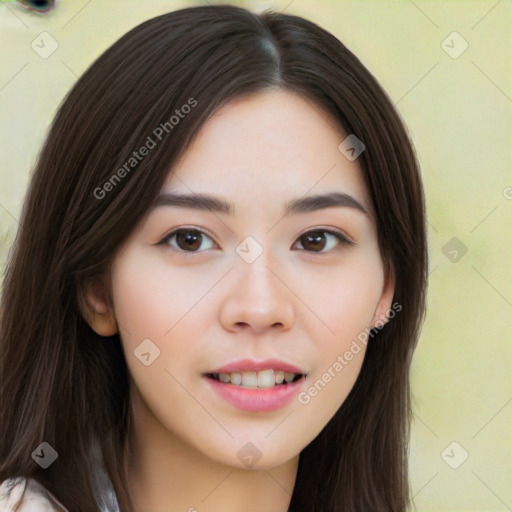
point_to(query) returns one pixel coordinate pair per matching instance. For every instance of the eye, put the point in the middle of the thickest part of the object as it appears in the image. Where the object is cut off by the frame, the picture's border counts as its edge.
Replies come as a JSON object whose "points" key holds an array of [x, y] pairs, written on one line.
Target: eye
{"points": [[312, 240], [187, 239]]}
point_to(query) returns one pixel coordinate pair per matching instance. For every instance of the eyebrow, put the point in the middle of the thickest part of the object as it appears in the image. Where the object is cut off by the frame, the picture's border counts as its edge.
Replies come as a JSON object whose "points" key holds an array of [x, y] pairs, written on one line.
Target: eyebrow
{"points": [[294, 206]]}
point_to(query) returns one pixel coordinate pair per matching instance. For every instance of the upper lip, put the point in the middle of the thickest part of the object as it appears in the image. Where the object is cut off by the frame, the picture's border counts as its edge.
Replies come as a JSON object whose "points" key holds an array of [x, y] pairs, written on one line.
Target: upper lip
{"points": [[248, 365]]}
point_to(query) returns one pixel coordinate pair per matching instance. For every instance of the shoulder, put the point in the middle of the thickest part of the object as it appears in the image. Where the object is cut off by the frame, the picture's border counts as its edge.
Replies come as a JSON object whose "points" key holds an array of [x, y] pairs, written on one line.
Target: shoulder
{"points": [[34, 497]]}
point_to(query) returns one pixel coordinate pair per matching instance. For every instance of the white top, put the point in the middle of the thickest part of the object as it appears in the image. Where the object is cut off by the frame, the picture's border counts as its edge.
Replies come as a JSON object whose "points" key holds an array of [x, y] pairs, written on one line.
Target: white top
{"points": [[35, 496]]}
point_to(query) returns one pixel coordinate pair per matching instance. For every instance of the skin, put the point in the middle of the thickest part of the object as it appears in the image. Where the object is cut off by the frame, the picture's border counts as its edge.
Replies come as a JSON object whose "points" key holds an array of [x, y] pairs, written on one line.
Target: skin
{"points": [[212, 307]]}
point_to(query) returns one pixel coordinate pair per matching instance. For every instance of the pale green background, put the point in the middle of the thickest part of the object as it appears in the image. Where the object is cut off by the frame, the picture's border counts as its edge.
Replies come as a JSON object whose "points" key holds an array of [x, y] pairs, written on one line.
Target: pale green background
{"points": [[459, 114]]}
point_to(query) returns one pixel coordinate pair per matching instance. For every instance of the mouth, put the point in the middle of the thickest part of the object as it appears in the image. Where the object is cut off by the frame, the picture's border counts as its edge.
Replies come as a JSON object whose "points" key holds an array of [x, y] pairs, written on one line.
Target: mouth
{"points": [[264, 379], [256, 387]]}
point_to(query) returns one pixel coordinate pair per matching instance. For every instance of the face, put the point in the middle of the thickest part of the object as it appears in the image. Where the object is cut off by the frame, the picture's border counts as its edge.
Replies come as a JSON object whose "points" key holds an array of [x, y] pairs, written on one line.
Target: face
{"points": [[206, 298]]}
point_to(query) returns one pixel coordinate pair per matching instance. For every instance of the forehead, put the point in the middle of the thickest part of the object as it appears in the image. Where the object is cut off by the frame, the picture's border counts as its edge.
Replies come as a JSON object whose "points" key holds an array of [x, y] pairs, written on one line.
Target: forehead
{"points": [[270, 146]]}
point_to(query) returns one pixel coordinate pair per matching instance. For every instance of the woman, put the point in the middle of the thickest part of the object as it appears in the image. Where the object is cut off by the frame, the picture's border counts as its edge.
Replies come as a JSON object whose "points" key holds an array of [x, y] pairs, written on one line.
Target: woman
{"points": [[269, 369]]}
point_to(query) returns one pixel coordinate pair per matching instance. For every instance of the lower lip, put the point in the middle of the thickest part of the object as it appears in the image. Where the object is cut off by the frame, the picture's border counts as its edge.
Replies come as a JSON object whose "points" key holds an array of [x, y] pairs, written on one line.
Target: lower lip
{"points": [[256, 399]]}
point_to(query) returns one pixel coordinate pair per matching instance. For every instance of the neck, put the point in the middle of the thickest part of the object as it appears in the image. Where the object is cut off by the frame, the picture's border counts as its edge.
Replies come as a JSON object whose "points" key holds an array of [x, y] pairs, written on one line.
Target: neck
{"points": [[167, 473]]}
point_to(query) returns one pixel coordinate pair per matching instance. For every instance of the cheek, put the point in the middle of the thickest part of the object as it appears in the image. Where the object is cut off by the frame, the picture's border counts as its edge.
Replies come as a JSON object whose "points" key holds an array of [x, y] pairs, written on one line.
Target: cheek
{"points": [[151, 299], [344, 299], [151, 304], [163, 305]]}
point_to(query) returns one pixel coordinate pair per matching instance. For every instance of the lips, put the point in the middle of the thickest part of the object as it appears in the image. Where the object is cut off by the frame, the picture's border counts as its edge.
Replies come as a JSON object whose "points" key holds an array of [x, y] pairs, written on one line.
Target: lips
{"points": [[263, 379], [248, 365], [256, 386]]}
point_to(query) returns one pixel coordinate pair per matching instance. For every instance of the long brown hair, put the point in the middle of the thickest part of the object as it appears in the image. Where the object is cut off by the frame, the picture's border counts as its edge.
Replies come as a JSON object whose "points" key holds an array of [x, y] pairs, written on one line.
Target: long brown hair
{"points": [[64, 384]]}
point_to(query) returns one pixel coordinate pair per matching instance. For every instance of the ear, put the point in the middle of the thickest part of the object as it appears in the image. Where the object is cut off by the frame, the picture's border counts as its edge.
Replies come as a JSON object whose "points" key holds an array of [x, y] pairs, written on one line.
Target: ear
{"points": [[383, 308], [98, 310]]}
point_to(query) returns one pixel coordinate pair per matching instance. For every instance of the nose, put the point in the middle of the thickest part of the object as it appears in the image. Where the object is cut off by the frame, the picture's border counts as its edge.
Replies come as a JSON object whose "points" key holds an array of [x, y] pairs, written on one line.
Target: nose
{"points": [[258, 299]]}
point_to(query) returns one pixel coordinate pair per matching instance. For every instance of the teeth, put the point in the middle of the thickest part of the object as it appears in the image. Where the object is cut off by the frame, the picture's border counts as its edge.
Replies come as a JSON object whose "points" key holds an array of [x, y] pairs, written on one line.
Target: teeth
{"points": [[288, 377], [249, 379], [263, 379], [266, 379], [236, 378]]}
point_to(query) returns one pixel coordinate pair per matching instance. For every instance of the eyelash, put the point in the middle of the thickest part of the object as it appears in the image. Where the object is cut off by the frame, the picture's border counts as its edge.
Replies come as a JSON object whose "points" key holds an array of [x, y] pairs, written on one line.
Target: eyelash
{"points": [[343, 239]]}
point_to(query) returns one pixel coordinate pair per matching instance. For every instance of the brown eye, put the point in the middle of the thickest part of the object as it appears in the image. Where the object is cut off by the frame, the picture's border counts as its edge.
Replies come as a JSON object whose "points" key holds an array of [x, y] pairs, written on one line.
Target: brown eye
{"points": [[315, 241], [186, 239]]}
